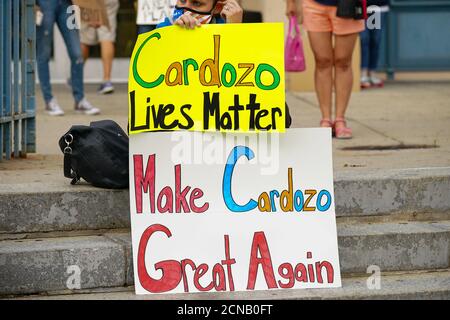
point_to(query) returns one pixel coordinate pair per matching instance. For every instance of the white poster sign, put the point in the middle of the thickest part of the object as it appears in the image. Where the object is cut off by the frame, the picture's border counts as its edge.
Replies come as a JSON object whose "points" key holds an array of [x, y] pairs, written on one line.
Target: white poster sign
{"points": [[216, 212], [153, 11]]}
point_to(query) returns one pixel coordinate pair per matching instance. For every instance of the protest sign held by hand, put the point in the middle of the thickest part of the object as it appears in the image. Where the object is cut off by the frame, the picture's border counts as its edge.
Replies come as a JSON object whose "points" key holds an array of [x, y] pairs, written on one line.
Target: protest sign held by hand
{"points": [[216, 78]]}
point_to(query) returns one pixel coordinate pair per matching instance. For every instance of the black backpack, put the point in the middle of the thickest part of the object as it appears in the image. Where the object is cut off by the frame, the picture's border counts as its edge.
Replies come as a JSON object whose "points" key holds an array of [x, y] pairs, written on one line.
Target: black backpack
{"points": [[352, 9], [98, 153]]}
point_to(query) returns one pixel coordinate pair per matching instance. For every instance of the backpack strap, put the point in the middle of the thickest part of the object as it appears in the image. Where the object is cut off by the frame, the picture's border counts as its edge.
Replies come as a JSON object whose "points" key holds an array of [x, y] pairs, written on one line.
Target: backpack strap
{"points": [[68, 172]]}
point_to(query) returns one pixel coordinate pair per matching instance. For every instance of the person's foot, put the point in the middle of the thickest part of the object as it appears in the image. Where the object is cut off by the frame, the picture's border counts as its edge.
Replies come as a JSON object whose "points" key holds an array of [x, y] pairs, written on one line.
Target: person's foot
{"points": [[341, 131], [106, 88], [365, 82], [86, 107], [52, 108], [376, 82], [326, 123]]}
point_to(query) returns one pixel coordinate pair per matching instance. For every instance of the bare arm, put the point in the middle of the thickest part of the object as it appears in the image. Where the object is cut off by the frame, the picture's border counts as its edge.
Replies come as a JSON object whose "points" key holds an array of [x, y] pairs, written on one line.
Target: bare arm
{"points": [[294, 8]]}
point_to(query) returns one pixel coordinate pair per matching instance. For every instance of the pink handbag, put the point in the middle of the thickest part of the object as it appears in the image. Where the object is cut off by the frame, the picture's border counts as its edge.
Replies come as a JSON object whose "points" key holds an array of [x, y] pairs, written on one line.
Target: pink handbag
{"points": [[294, 57]]}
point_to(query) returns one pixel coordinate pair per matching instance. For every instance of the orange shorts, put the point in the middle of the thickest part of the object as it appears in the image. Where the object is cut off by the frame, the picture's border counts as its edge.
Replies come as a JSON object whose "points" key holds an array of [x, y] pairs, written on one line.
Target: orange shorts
{"points": [[321, 18]]}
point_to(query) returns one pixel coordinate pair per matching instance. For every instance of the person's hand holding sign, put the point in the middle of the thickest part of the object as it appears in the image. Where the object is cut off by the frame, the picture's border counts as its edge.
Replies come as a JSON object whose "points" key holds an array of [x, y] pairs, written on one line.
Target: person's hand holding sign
{"points": [[232, 12], [198, 12]]}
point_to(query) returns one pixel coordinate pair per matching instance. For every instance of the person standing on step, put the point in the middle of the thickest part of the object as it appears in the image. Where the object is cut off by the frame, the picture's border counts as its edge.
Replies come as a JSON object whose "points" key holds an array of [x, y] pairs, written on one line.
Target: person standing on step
{"points": [[93, 35], [51, 12], [370, 42], [332, 40]]}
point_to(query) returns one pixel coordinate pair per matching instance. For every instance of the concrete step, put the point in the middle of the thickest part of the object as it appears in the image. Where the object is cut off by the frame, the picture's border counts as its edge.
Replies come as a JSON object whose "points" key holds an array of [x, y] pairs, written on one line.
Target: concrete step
{"points": [[36, 207], [104, 260], [417, 285]]}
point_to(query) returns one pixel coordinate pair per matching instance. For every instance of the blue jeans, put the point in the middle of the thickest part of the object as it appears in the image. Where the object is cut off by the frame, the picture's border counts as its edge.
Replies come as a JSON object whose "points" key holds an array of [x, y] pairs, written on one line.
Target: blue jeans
{"points": [[55, 11], [370, 46]]}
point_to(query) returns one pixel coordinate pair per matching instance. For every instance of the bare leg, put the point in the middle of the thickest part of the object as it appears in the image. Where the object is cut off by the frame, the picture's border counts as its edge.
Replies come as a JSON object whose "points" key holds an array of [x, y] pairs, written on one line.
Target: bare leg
{"points": [[321, 44], [343, 51], [107, 48], [85, 51]]}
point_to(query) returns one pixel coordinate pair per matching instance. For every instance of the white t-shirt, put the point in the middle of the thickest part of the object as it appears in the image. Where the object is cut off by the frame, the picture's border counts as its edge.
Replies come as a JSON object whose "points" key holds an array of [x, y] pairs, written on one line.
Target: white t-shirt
{"points": [[153, 11]]}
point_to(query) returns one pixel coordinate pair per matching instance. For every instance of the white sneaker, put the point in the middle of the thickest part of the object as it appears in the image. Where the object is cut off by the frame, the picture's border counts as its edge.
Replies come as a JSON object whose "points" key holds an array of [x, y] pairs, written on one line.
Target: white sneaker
{"points": [[86, 107], [365, 82], [53, 108], [376, 82]]}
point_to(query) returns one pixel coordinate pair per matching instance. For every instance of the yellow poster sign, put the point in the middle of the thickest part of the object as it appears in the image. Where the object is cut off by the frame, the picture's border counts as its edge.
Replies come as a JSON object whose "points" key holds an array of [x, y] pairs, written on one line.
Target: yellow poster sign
{"points": [[227, 77]]}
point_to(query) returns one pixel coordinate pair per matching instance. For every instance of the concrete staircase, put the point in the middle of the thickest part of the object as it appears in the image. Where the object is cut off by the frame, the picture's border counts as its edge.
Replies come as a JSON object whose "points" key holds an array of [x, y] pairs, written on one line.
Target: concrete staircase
{"points": [[397, 220]]}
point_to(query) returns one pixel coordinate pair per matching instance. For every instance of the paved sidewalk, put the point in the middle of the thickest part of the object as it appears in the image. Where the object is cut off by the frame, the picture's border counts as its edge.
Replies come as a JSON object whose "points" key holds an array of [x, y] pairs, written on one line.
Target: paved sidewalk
{"points": [[400, 115]]}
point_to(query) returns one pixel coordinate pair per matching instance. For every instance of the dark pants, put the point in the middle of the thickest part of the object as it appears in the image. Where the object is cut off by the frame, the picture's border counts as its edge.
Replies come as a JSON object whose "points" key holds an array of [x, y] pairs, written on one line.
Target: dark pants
{"points": [[370, 46]]}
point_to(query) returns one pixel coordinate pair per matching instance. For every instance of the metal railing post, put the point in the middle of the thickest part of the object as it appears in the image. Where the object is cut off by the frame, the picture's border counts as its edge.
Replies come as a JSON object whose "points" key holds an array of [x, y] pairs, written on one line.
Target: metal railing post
{"points": [[6, 48], [23, 58], [29, 65], [17, 78], [16, 87], [2, 76]]}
